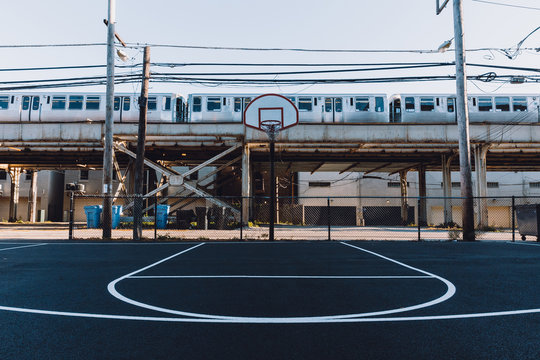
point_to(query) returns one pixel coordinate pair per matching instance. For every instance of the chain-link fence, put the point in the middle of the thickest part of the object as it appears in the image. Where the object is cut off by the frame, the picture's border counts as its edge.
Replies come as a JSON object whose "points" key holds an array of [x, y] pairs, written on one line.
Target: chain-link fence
{"points": [[303, 218]]}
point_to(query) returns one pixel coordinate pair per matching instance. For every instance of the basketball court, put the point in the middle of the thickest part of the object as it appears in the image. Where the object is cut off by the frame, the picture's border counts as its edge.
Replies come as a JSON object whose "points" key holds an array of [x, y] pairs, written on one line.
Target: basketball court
{"points": [[270, 300]]}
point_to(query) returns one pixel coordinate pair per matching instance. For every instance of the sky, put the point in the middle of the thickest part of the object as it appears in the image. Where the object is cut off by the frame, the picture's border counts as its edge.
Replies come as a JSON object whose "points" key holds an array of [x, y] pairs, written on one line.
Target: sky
{"points": [[307, 24]]}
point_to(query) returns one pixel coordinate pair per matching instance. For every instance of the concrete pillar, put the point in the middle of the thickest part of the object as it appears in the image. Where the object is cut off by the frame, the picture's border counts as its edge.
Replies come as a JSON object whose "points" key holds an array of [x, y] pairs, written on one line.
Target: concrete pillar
{"points": [[447, 188], [404, 194], [480, 164], [32, 197], [246, 184], [15, 174], [422, 193]]}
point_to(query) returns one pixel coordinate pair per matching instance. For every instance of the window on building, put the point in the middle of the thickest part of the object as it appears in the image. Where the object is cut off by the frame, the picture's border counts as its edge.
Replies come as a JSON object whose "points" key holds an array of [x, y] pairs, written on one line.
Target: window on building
{"points": [[305, 104], [362, 104], [456, 184], [3, 175], [4, 102], [75, 102], [319, 184], [28, 176], [492, 185], [92, 102], [485, 104], [409, 104], [519, 103], [534, 185], [395, 184], [83, 174], [427, 104], [213, 104], [502, 103], [197, 104], [59, 103]]}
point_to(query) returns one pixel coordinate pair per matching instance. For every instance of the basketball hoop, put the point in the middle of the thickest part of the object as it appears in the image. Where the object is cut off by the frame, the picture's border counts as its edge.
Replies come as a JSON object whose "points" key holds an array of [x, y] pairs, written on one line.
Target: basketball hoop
{"points": [[271, 127]]}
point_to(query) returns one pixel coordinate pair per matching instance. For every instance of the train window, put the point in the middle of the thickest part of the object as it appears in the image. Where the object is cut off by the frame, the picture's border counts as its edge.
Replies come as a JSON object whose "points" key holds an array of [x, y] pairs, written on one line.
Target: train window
{"points": [[427, 104], [48, 100], [305, 104], [328, 104], [438, 101], [519, 103], [339, 104], [451, 104], [213, 104], [75, 102], [409, 104], [13, 99], [362, 104], [126, 104], [166, 103], [116, 103], [4, 102], [379, 104], [502, 103], [237, 104], [35, 103], [224, 101], [485, 104], [26, 102], [152, 103], [315, 101], [58, 103], [92, 103], [196, 104], [3, 175], [247, 100]]}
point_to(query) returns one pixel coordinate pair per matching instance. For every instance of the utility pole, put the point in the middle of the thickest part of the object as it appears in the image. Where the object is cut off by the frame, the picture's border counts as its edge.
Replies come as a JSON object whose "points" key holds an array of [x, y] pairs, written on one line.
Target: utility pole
{"points": [[139, 162], [108, 143], [463, 127], [462, 120]]}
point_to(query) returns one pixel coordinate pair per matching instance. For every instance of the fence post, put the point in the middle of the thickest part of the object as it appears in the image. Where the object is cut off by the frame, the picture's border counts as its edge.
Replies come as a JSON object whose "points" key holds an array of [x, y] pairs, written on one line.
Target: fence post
{"points": [[71, 205], [328, 218], [513, 218], [155, 217], [418, 218]]}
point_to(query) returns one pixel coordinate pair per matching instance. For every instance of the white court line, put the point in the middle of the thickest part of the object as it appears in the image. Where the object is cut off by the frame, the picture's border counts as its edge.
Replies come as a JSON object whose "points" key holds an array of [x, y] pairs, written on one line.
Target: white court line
{"points": [[21, 247], [449, 293], [276, 277]]}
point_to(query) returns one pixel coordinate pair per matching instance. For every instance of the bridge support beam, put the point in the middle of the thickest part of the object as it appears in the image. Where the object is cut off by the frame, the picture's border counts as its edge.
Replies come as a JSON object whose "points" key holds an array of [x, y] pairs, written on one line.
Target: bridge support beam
{"points": [[404, 194], [15, 174], [246, 184], [447, 188], [32, 197], [480, 164]]}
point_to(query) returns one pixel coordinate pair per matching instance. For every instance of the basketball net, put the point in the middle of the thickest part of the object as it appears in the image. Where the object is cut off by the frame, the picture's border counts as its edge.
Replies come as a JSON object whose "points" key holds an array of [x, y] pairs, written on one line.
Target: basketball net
{"points": [[271, 127]]}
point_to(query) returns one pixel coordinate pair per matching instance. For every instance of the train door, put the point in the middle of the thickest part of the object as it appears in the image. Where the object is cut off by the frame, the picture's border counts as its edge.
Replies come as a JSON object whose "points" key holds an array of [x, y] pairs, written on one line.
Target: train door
{"points": [[240, 104], [395, 111], [333, 110], [30, 110], [121, 107]]}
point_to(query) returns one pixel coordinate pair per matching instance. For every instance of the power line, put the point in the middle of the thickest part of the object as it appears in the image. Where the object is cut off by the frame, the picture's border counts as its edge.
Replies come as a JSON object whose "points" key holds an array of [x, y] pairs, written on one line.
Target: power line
{"points": [[504, 4]]}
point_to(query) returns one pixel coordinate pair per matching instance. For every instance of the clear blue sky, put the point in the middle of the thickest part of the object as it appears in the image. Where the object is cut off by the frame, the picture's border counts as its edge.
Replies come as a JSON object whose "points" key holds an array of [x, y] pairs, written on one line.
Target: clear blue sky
{"points": [[339, 24]]}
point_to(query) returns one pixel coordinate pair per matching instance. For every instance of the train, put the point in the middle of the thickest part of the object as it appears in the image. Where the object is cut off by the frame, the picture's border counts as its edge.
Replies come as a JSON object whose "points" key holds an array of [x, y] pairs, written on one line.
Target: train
{"points": [[312, 108]]}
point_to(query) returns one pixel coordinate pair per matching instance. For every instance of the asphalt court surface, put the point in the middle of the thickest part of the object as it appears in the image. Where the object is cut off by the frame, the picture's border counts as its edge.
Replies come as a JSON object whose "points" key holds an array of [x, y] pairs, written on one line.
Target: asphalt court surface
{"points": [[270, 300]]}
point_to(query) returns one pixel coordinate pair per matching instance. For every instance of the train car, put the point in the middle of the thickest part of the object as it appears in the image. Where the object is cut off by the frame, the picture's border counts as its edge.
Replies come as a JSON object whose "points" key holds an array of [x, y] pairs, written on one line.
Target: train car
{"points": [[441, 108], [312, 108], [52, 107]]}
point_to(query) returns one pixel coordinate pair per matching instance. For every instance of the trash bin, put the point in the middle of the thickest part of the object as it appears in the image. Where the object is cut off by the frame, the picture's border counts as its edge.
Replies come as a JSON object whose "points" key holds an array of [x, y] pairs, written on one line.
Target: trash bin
{"points": [[162, 216], [116, 211], [93, 216], [528, 220]]}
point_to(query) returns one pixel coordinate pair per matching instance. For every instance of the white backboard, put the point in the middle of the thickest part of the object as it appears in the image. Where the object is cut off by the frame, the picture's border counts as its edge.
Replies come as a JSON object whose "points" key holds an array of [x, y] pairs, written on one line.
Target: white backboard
{"points": [[270, 107]]}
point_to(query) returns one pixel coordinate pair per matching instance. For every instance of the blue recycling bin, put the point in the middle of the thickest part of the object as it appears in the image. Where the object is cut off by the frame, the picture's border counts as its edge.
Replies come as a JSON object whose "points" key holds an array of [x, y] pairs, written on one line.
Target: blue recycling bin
{"points": [[162, 216], [116, 211], [93, 216]]}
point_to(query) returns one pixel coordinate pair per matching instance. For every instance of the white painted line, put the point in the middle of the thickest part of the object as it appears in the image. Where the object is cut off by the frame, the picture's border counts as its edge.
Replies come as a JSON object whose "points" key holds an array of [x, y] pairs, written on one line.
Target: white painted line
{"points": [[22, 247], [449, 293], [276, 277]]}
